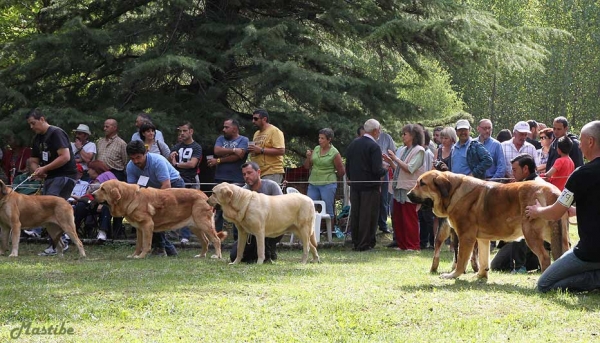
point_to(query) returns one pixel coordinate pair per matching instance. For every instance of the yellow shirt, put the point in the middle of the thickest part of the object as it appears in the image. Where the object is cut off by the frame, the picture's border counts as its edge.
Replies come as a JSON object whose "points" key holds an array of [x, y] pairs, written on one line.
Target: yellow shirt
{"points": [[272, 137]]}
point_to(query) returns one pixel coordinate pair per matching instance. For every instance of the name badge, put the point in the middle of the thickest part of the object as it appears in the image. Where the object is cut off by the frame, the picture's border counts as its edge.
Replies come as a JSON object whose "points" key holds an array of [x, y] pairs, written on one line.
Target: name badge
{"points": [[45, 156], [143, 181]]}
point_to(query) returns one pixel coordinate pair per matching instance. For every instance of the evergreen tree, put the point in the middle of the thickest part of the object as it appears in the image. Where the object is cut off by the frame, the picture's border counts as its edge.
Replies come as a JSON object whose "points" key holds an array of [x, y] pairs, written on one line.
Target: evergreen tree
{"points": [[311, 63]]}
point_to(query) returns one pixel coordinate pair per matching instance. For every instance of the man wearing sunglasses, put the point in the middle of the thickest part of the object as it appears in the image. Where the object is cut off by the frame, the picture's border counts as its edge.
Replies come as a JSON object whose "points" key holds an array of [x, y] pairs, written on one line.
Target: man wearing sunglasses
{"points": [[268, 148]]}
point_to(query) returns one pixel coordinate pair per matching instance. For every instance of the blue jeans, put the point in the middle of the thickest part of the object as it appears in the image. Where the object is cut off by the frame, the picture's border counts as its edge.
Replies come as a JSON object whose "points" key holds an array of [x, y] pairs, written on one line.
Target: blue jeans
{"points": [[569, 272], [325, 193]]}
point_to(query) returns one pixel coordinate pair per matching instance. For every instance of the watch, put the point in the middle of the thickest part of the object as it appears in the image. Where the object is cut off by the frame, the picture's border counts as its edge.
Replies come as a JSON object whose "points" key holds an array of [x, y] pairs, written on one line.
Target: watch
{"points": [[218, 161], [262, 151]]}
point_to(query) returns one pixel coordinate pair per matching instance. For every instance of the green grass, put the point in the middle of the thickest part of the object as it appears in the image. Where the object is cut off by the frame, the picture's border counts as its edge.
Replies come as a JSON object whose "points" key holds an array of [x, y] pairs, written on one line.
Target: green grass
{"points": [[380, 296]]}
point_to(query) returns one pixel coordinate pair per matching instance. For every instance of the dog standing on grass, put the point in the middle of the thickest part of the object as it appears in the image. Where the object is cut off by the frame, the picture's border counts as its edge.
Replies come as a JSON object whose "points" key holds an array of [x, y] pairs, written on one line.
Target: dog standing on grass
{"points": [[19, 211]]}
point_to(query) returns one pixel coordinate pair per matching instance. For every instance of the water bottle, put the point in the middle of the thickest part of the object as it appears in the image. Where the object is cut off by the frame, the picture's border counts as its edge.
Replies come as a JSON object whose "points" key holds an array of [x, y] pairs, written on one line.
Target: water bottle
{"points": [[338, 232]]}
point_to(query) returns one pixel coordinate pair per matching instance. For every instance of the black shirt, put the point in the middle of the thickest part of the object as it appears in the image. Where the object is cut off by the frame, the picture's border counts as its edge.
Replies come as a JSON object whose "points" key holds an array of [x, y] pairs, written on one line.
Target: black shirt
{"points": [[46, 146]]}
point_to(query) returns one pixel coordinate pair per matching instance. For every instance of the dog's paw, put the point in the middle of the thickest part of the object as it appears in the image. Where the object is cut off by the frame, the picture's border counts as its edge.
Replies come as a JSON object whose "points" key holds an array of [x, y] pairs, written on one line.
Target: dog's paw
{"points": [[200, 256], [449, 276], [13, 255], [216, 257]]}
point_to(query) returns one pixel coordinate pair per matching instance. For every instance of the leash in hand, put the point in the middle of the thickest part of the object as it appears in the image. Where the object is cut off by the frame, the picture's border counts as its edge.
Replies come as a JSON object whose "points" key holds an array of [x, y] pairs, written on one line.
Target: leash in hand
{"points": [[27, 179]]}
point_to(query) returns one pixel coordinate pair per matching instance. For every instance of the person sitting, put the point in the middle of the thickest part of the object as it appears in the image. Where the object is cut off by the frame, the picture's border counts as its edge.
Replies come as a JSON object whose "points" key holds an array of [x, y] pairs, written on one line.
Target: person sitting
{"points": [[251, 173], [516, 257], [85, 207]]}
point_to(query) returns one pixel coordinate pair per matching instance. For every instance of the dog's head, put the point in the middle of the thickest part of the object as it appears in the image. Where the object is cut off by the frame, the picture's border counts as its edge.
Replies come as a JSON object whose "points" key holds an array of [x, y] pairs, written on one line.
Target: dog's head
{"points": [[432, 188], [221, 194], [108, 193]]}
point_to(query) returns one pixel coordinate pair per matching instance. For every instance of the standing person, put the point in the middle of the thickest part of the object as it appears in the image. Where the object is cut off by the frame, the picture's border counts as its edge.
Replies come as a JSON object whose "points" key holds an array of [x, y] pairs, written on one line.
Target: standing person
{"points": [[112, 151], [560, 127], [364, 171], [326, 166], [533, 134], [579, 268], [469, 157], [185, 157], [52, 161], [436, 136], [14, 157], [408, 165], [268, 148], [541, 155], [141, 119], [386, 143], [517, 145], [425, 212], [563, 166], [231, 150], [504, 135], [498, 169], [254, 182], [444, 153], [153, 170], [148, 136], [84, 149]]}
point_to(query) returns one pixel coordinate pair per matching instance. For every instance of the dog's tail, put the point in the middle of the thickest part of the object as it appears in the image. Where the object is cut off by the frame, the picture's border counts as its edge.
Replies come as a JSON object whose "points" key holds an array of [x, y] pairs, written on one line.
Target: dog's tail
{"points": [[222, 235]]}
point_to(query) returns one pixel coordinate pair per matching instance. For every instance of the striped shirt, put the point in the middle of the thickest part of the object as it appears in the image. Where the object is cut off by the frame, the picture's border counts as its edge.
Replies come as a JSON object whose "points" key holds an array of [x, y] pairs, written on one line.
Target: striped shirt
{"points": [[112, 151]]}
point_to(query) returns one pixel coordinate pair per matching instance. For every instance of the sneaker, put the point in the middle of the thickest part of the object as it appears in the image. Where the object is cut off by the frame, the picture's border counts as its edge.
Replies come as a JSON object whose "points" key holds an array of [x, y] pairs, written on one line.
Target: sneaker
{"points": [[159, 252], [101, 235], [31, 234], [185, 241], [50, 251]]}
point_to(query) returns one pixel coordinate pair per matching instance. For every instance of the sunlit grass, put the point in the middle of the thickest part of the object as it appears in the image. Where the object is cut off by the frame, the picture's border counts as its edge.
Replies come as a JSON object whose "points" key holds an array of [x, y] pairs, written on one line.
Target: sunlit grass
{"points": [[380, 296]]}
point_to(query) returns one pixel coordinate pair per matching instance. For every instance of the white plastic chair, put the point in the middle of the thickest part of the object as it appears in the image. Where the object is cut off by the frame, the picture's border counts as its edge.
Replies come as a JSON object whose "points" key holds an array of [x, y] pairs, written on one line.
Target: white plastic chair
{"points": [[319, 216]]}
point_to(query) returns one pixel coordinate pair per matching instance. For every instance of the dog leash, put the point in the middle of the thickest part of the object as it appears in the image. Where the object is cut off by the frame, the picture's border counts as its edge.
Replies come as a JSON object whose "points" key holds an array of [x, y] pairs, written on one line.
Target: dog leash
{"points": [[27, 179]]}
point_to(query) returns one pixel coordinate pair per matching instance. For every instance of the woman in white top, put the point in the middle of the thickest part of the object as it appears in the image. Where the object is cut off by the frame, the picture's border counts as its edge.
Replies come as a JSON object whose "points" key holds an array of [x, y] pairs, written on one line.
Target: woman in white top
{"points": [[148, 136]]}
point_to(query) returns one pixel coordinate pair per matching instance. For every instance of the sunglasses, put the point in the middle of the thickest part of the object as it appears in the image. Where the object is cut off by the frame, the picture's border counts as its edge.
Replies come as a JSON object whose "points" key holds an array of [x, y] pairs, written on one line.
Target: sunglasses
{"points": [[255, 118]]}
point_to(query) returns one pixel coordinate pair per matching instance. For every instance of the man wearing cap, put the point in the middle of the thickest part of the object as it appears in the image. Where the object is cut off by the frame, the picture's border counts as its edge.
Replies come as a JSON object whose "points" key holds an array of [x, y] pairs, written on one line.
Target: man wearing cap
{"points": [[469, 157], [517, 145], [83, 149]]}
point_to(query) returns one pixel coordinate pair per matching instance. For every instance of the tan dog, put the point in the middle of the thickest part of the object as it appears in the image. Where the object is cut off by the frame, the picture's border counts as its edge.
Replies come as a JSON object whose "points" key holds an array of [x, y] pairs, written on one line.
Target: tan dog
{"points": [[482, 211], [267, 216], [153, 210], [28, 211]]}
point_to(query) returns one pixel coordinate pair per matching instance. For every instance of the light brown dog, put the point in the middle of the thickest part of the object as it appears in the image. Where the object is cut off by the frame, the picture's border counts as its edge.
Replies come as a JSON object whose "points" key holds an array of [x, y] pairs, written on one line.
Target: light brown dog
{"points": [[28, 211], [264, 215], [482, 211], [153, 210]]}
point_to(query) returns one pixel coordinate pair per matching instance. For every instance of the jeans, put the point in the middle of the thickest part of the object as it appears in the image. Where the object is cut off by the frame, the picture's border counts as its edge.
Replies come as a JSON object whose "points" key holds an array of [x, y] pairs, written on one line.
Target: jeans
{"points": [[325, 193], [570, 273]]}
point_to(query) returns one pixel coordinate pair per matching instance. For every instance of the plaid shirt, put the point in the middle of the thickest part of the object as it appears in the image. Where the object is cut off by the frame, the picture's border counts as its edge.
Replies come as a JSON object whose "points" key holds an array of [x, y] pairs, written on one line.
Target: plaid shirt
{"points": [[510, 152], [112, 151]]}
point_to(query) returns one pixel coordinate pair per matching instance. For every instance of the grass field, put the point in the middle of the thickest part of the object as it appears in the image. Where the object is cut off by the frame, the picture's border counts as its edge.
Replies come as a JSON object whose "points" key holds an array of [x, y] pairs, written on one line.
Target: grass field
{"points": [[379, 296]]}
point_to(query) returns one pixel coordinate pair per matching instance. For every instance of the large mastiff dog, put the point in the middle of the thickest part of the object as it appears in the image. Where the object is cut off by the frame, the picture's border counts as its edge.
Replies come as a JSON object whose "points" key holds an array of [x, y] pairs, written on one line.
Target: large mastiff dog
{"points": [[482, 211], [153, 210], [27, 211], [267, 216]]}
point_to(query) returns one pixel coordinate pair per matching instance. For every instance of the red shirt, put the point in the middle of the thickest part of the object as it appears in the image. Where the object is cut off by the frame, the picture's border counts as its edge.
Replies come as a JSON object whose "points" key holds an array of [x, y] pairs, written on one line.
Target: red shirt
{"points": [[564, 167]]}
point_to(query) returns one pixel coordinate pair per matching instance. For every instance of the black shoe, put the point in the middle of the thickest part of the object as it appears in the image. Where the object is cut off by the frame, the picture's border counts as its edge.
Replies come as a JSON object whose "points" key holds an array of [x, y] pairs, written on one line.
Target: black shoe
{"points": [[158, 252], [393, 244], [385, 230], [171, 251]]}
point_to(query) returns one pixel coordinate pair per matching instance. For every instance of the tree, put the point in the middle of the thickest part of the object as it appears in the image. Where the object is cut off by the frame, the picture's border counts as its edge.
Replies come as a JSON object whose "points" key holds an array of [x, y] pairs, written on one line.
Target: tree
{"points": [[312, 63]]}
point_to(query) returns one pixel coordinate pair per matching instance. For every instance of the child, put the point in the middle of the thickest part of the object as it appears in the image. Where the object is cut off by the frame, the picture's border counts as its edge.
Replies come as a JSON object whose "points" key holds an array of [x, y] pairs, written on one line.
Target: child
{"points": [[563, 166]]}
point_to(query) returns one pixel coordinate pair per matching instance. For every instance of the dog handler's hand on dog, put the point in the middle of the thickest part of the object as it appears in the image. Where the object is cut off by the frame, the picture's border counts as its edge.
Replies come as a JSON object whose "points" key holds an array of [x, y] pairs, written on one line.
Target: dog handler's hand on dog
{"points": [[532, 211]]}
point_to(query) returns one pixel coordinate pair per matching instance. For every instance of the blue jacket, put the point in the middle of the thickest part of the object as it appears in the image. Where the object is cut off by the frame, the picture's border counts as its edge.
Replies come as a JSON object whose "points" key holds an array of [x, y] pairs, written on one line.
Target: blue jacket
{"points": [[478, 159]]}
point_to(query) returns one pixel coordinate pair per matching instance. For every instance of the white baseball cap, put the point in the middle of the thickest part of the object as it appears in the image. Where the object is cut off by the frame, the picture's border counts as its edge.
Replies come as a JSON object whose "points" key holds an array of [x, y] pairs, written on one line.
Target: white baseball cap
{"points": [[522, 127], [463, 124]]}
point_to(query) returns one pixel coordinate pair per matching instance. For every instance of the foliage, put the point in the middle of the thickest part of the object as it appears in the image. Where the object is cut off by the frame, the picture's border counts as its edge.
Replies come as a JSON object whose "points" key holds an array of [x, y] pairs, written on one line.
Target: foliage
{"points": [[312, 64]]}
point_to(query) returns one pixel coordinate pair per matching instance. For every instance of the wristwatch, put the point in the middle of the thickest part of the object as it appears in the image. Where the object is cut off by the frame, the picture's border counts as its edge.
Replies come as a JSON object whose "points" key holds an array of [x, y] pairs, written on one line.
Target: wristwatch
{"points": [[262, 151], [218, 161]]}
